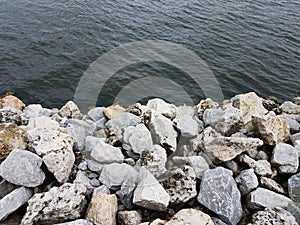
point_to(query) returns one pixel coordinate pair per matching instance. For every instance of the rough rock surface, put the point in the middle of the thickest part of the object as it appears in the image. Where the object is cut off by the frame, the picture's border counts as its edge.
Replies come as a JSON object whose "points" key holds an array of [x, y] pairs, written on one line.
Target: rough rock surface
{"points": [[70, 110], [261, 198], [219, 193], [261, 167], [149, 193], [105, 153], [275, 216], [161, 107], [294, 187], [247, 181], [102, 209], [22, 168], [56, 148], [180, 184], [286, 158], [76, 222], [271, 185], [129, 217], [12, 102], [11, 115], [114, 111], [96, 113], [188, 126], [13, 201], [11, 137], [57, 205], [272, 129], [290, 108], [190, 217], [163, 132], [154, 160]]}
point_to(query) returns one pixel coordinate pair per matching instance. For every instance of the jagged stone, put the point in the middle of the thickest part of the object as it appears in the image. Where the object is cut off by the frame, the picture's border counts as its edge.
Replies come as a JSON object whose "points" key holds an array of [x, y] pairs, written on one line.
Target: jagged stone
{"points": [[11, 137], [138, 138], [191, 217], [271, 185], [205, 104], [57, 205], [154, 159], [295, 138], [33, 110], [42, 122], [163, 132], [219, 193], [12, 102], [180, 184], [286, 158], [272, 129], [6, 188], [56, 148], [129, 217], [78, 133], [188, 126], [81, 178], [149, 193], [105, 153], [161, 107], [261, 167], [262, 198], [22, 168], [275, 216], [70, 110], [114, 111], [293, 123], [102, 209], [14, 200], [11, 115], [294, 187], [94, 166], [247, 181], [290, 108], [96, 113]]}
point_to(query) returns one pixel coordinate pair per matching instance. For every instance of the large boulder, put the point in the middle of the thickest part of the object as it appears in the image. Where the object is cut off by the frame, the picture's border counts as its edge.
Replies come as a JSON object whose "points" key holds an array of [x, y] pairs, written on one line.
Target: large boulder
{"points": [[12, 102], [190, 217], [290, 108], [57, 205], [188, 126], [219, 193], [161, 107], [22, 168], [105, 153], [11, 115]]}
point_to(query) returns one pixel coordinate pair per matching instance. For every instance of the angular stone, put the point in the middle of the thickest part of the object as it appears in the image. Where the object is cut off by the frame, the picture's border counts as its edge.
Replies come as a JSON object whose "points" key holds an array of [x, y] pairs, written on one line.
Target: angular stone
{"points": [[290, 108], [212, 116], [42, 122], [188, 126], [294, 209], [138, 138], [56, 148], [11, 137], [76, 222], [94, 166], [262, 198], [105, 153], [57, 205], [295, 138], [272, 129], [180, 184], [113, 175], [219, 193], [161, 107], [81, 178], [275, 216], [294, 125], [163, 132], [91, 142], [78, 133], [129, 217], [11, 101], [247, 181], [13, 201], [261, 167], [33, 110], [205, 104], [102, 209], [271, 185], [101, 190], [217, 221], [114, 111], [96, 113], [154, 160], [149, 193], [22, 168], [286, 158], [11, 115], [294, 187], [191, 217], [70, 110], [6, 188]]}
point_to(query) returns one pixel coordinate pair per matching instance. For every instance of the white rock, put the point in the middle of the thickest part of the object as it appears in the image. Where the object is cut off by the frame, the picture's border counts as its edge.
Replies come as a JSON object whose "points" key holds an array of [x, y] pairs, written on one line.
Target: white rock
{"points": [[161, 107], [188, 126], [90, 142], [42, 122], [149, 193], [70, 110], [78, 133], [33, 110], [105, 153]]}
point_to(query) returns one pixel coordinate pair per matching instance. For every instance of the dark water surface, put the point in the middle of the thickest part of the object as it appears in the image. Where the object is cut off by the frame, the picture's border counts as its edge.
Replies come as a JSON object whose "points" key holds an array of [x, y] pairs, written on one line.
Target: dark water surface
{"points": [[45, 46]]}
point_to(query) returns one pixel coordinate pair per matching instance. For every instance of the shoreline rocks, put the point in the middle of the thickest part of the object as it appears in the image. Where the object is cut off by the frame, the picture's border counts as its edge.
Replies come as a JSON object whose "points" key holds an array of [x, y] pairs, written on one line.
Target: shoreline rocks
{"points": [[234, 163]]}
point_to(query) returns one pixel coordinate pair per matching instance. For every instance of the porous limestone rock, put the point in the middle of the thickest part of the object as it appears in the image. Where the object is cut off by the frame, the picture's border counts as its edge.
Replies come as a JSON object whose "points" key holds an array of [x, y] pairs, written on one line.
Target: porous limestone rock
{"points": [[190, 217], [12, 102], [247, 181], [154, 159], [286, 158], [205, 104], [219, 193], [180, 184], [149, 193], [271, 129], [22, 168], [163, 132], [70, 110], [56, 148], [102, 209], [129, 217], [14, 200], [11, 137], [57, 205], [261, 198], [105, 153], [11, 115]]}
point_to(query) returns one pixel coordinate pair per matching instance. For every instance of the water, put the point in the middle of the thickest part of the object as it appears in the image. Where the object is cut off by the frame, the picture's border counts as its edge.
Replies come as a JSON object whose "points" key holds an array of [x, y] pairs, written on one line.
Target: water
{"points": [[45, 46]]}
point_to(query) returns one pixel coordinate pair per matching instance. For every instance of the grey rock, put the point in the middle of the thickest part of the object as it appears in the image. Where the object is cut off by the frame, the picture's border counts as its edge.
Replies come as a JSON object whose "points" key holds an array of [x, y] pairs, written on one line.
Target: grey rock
{"points": [[286, 158], [14, 200], [96, 113], [219, 193], [295, 138], [217, 221], [292, 122], [91, 142], [78, 133], [76, 222], [101, 189], [22, 168], [149, 193], [100, 124], [188, 126], [205, 104], [161, 107], [138, 138], [154, 160], [275, 216], [129, 217], [105, 153], [290, 108], [163, 132], [33, 110], [83, 166], [89, 126], [271, 185], [94, 166], [180, 184], [81, 178], [294, 187], [247, 181], [261, 167], [233, 166], [6, 188], [261, 198], [212, 116], [95, 182], [113, 175], [70, 110], [294, 209], [57, 205]]}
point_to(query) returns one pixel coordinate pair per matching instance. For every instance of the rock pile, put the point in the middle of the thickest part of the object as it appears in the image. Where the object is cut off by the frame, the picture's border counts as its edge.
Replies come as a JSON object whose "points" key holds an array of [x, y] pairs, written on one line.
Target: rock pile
{"points": [[235, 162]]}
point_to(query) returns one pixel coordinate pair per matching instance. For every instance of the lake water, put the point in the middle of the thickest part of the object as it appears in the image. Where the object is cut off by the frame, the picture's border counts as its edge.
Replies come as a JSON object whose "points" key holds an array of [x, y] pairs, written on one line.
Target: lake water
{"points": [[46, 46]]}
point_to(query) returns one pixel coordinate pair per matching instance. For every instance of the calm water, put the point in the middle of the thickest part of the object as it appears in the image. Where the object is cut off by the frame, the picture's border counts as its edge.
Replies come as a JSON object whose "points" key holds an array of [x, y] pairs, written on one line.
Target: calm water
{"points": [[45, 46]]}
